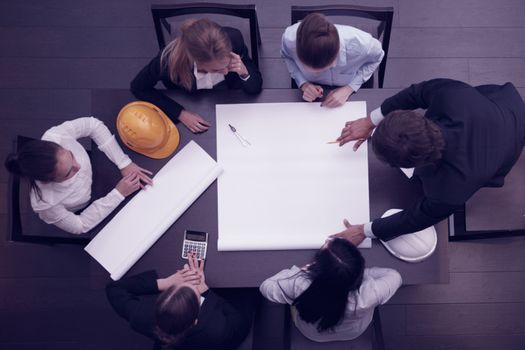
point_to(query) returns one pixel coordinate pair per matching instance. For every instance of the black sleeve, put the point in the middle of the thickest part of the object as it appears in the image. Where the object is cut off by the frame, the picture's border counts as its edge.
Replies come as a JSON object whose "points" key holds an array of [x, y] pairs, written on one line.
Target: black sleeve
{"points": [[254, 84], [237, 323], [124, 294], [143, 87], [419, 95], [423, 214]]}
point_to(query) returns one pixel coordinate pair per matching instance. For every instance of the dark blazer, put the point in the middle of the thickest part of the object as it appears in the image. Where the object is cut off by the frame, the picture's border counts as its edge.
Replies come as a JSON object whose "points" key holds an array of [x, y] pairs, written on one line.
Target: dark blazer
{"points": [[484, 132], [220, 325], [143, 86]]}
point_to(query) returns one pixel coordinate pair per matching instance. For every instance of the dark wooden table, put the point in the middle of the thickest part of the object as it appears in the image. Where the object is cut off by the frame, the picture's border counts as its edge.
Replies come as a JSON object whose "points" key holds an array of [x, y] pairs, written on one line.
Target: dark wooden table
{"points": [[389, 188]]}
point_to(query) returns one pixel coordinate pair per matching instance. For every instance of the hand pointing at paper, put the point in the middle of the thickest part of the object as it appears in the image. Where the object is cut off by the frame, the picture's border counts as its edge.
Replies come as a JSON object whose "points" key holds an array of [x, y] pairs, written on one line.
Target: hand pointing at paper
{"points": [[358, 130], [353, 233]]}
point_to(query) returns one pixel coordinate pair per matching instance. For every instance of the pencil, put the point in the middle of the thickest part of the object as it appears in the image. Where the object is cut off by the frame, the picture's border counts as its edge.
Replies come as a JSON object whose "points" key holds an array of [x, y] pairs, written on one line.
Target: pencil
{"points": [[331, 142]]}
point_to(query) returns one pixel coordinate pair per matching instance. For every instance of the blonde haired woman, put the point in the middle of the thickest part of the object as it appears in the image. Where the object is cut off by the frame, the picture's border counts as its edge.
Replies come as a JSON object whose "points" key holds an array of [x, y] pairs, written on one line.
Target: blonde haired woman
{"points": [[204, 56]]}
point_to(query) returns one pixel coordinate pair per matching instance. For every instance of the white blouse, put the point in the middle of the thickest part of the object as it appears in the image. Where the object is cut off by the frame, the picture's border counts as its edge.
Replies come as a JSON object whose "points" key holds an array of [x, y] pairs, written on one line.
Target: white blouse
{"points": [[60, 200], [379, 285]]}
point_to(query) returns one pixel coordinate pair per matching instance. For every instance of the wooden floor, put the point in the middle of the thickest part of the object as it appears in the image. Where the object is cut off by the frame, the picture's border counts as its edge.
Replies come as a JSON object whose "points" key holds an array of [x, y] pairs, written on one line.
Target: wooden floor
{"points": [[55, 51]]}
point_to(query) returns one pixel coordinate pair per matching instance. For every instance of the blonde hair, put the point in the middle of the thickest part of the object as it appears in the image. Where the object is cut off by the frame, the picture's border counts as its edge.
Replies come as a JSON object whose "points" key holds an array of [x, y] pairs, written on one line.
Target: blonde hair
{"points": [[201, 41]]}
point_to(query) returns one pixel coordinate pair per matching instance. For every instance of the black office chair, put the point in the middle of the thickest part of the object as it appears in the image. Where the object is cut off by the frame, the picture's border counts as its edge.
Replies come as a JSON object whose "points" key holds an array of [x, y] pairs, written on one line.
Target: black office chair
{"points": [[371, 339], [225, 12], [383, 15], [31, 229]]}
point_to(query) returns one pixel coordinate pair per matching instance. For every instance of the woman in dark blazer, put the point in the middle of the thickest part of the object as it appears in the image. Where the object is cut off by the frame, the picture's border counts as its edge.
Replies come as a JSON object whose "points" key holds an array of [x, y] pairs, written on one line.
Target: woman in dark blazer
{"points": [[204, 56], [180, 311]]}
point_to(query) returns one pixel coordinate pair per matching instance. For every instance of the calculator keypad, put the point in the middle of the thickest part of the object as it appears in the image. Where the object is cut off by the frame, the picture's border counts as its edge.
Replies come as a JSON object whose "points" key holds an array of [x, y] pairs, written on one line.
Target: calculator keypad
{"points": [[199, 248]]}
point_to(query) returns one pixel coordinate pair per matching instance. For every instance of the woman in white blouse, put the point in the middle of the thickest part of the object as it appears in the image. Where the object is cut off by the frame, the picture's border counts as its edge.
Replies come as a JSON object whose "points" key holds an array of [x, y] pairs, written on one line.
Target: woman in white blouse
{"points": [[60, 173], [317, 52], [333, 298]]}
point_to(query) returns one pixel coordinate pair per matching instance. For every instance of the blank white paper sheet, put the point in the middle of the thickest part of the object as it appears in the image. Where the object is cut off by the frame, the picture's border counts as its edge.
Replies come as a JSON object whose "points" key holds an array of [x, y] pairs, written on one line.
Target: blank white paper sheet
{"points": [[289, 189], [138, 225]]}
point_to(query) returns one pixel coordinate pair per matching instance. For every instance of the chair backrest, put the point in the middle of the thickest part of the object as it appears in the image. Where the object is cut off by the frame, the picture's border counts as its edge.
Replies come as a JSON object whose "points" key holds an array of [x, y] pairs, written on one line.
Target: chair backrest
{"points": [[381, 17], [167, 17], [23, 224], [371, 339]]}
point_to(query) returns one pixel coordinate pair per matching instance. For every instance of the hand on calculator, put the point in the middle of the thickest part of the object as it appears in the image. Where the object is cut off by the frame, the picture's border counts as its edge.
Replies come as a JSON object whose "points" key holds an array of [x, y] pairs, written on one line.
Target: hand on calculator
{"points": [[182, 276], [197, 266]]}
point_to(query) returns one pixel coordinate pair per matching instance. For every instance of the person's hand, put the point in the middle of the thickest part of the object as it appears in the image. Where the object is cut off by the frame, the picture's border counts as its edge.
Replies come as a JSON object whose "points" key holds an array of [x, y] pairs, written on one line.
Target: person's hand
{"points": [[237, 65], [143, 174], [198, 266], [359, 130], [337, 97], [193, 121], [355, 234], [311, 92], [179, 277], [129, 184]]}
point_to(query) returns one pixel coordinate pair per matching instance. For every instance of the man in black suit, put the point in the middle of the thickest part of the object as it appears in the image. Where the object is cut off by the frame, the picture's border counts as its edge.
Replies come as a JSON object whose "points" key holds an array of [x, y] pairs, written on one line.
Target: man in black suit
{"points": [[468, 138], [153, 307]]}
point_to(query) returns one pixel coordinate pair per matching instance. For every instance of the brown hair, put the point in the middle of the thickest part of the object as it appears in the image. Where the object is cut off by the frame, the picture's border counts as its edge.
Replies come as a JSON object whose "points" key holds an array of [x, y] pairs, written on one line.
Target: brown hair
{"points": [[36, 160], [407, 139], [317, 41], [176, 310], [201, 41]]}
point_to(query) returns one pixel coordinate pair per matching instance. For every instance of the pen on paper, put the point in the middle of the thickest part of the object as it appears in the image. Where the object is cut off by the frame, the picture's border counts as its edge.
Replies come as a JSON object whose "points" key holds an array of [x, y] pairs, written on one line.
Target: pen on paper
{"points": [[242, 140]]}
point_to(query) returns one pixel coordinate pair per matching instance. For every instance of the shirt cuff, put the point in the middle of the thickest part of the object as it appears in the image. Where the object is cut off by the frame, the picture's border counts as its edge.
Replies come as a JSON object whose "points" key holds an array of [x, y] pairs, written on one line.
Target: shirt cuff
{"points": [[354, 86], [367, 228], [300, 81], [117, 195], [376, 116], [245, 79]]}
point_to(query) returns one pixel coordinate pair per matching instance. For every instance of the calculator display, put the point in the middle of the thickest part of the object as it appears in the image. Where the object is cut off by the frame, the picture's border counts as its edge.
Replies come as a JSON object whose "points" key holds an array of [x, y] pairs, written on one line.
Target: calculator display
{"points": [[196, 236]]}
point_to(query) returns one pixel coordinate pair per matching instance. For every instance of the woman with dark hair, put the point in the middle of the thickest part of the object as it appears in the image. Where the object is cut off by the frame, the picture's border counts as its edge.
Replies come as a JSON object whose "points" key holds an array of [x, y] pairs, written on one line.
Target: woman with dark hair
{"points": [[180, 311], [333, 298], [317, 52], [204, 56], [60, 173]]}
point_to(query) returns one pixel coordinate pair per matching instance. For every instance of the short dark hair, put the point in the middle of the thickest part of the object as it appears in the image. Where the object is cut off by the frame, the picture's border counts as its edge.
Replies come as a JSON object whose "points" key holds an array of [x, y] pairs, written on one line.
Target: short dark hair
{"points": [[337, 270], [35, 160], [407, 139], [317, 41], [176, 310]]}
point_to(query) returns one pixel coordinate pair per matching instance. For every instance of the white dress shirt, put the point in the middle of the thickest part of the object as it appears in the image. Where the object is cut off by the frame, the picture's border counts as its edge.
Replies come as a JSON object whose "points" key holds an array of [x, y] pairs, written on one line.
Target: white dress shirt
{"points": [[206, 80], [359, 56], [379, 285], [60, 200]]}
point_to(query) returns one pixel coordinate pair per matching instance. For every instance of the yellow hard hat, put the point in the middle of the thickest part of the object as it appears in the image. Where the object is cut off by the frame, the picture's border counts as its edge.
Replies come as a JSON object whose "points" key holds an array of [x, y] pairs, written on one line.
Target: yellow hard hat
{"points": [[147, 130]]}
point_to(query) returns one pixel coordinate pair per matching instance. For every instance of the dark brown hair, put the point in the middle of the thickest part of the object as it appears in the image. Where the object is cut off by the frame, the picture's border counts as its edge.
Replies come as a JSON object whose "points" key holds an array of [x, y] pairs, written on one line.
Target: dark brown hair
{"points": [[407, 139], [36, 160], [201, 41], [176, 310], [336, 271], [317, 41]]}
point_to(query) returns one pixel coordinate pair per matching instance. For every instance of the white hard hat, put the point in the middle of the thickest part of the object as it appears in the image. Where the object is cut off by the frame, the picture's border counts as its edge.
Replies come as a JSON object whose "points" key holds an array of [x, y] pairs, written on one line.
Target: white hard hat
{"points": [[412, 247]]}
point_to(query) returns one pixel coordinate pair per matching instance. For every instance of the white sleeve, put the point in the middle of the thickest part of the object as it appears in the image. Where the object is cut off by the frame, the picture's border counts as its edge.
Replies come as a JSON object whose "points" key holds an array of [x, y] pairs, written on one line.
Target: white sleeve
{"points": [[85, 221], [98, 132], [386, 282], [367, 228], [373, 56], [294, 70], [376, 116], [281, 287]]}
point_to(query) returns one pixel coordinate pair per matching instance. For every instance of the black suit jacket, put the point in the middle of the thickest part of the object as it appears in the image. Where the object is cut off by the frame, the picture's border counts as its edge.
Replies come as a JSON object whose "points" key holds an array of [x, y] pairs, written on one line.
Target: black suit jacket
{"points": [[220, 325], [143, 86], [484, 132]]}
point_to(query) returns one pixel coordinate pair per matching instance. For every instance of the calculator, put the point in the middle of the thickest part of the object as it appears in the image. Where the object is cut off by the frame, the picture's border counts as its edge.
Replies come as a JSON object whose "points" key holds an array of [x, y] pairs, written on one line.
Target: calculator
{"points": [[196, 242]]}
